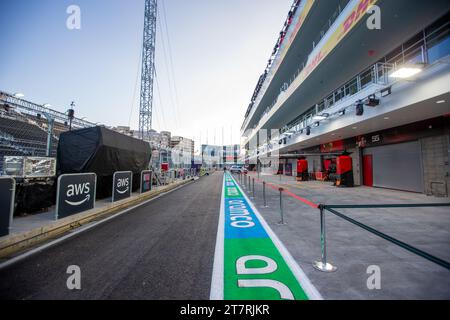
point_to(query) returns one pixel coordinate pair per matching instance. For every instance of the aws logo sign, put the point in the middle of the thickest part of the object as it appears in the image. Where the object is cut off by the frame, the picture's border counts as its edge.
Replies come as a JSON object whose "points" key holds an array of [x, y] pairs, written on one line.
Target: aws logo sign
{"points": [[122, 184], [75, 194], [76, 191]]}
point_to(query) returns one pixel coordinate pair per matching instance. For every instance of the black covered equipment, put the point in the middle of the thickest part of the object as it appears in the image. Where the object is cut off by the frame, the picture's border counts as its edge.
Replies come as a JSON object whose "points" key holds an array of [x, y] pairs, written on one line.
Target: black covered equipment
{"points": [[102, 151]]}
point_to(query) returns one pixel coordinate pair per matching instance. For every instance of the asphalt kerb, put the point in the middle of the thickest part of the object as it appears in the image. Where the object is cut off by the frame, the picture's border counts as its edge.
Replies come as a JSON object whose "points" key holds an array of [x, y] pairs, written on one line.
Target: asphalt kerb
{"points": [[16, 243]]}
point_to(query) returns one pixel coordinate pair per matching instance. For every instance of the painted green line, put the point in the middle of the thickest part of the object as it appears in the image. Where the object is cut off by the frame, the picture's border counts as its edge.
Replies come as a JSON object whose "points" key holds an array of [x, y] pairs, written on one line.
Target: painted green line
{"points": [[237, 248], [250, 261]]}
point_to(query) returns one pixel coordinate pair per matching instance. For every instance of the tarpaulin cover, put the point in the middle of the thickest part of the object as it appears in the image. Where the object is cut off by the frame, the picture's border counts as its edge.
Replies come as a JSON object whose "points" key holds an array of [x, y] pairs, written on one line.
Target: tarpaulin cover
{"points": [[34, 197], [102, 151]]}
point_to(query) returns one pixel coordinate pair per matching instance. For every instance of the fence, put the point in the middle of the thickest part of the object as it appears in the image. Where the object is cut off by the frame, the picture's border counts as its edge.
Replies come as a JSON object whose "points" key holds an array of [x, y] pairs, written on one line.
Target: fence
{"points": [[323, 264]]}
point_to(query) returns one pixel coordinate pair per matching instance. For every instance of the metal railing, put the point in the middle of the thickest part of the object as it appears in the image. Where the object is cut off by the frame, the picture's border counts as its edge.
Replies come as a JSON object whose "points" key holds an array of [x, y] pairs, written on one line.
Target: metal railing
{"points": [[31, 108], [417, 52], [286, 85], [325, 266]]}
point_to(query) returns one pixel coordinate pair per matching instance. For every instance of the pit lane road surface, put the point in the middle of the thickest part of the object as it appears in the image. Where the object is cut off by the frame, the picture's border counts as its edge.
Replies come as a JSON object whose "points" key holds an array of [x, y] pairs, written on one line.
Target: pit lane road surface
{"points": [[161, 250], [250, 261]]}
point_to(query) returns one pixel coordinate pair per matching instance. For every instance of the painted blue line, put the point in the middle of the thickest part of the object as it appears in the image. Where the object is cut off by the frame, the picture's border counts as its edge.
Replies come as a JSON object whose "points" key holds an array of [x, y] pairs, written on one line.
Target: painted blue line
{"points": [[240, 219]]}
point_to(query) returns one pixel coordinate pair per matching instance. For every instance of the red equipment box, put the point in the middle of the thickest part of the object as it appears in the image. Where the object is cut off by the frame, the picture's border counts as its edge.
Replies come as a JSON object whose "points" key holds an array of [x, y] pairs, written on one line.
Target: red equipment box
{"points": [[165, 167], [343, 164], [302, 166]]}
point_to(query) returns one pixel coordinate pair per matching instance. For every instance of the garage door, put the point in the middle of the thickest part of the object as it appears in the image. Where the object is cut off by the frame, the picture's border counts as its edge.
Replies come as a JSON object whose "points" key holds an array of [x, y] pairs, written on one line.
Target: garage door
{"points": [[397, 166]]}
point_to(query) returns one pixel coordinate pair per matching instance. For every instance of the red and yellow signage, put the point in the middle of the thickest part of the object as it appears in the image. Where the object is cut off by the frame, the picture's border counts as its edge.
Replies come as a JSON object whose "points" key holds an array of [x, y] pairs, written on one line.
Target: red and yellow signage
{"points": [[305, 11], [349, 23], [358, 12]]}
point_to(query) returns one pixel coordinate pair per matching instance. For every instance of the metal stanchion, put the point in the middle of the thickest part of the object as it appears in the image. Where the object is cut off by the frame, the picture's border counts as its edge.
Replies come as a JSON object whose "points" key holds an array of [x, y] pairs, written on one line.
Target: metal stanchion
{"points": [[264, 194], [253, 187], [323, 265], [151, 180], [281, 207]]}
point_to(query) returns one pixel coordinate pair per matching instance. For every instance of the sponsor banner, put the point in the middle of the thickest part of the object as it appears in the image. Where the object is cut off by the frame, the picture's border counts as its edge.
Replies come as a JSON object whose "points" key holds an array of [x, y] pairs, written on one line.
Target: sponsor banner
{"points": [[7, 197], [358, 12], [122, 185], [337, 145], [75, 194], [250, 262], [305, 8], [146, 181]]}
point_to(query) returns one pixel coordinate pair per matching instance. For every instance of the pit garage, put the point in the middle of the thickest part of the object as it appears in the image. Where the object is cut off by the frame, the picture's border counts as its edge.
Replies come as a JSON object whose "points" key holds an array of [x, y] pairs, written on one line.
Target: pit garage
{"points": [[395, 166]]}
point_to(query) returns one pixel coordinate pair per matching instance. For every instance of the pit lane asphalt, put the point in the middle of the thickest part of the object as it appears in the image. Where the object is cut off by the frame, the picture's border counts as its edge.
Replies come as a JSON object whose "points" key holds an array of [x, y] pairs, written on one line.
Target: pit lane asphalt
{"points": [[161, 250]]}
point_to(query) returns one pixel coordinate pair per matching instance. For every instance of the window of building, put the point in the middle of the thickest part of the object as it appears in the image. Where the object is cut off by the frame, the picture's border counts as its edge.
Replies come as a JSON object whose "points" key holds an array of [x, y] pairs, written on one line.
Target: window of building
{"points": [[439, 46], [366, 78], [351, 88]]}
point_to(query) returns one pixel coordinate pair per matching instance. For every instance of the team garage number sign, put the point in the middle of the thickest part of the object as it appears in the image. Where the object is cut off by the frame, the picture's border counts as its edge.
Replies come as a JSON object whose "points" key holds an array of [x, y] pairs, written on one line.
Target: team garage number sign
{"points": [[254, 262]]}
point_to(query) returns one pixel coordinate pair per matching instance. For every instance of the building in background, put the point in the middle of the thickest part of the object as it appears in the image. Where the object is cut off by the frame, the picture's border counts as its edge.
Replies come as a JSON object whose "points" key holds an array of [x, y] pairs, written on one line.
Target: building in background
{"points": [[211, 156], [154, 137], [183, 144], [182, 151], [379, 94], [231, 155], [124, 130], [165, 139], [220, 156]]}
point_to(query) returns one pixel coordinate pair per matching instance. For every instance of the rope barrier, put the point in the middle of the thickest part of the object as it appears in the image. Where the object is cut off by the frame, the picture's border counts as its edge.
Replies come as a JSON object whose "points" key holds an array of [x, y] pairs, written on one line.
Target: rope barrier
{"points": [[399, 243]]}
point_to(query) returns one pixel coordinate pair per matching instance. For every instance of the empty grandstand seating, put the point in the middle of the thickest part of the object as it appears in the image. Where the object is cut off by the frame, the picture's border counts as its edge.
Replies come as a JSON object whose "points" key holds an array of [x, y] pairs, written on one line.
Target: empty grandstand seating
{"points": [[22, 136]]}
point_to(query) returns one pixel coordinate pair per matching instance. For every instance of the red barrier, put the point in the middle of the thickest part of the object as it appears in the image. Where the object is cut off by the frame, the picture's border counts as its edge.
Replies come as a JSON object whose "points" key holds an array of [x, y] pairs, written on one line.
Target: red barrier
{"points": [[293, 195]]}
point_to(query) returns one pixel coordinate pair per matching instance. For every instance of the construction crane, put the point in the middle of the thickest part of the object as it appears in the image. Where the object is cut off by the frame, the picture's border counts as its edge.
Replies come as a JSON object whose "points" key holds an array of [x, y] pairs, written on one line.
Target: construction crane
{"points": [[148, 68]]}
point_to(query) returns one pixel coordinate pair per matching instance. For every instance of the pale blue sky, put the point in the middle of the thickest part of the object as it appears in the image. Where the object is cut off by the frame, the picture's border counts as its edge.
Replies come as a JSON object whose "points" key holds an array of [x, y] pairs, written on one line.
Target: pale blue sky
{"points": [[219, 49]]}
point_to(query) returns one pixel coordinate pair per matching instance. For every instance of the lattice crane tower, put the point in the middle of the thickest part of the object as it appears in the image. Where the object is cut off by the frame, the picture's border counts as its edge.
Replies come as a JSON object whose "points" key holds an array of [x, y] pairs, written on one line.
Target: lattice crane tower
{"points": [[148, 68]]}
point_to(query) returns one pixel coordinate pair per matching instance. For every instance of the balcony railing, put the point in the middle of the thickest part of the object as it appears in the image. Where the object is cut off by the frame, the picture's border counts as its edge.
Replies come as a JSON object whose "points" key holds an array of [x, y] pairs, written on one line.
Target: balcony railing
{"points": [[377, 75], [427, 47], [297, 72]]}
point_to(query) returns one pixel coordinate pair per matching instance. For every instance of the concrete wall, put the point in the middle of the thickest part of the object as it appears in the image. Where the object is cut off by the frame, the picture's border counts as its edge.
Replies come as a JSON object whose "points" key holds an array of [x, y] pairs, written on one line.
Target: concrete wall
{"points": [[293, 162], [356, 162], [435, 159], [314, 163]]}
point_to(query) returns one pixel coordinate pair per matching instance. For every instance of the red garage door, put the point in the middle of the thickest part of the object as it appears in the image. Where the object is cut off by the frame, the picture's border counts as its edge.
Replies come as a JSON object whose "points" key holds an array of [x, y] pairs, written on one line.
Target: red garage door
{"points": [[368, 170]]}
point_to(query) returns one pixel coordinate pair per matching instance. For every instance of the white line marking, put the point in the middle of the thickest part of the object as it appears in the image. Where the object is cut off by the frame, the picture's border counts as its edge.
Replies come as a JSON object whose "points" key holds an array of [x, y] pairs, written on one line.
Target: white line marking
{"points": [[302, 278], [81, 230], [216, 292]]}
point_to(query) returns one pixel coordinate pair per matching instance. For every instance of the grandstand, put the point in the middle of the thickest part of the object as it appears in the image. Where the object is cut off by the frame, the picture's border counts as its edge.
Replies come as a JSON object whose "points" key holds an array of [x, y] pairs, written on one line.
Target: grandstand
{"points": [[24, 128]]}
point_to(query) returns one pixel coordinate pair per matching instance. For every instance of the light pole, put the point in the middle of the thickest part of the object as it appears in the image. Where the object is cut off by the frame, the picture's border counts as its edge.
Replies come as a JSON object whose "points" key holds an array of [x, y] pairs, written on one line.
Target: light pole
{"points": [[51, 123], [71, 114]]}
